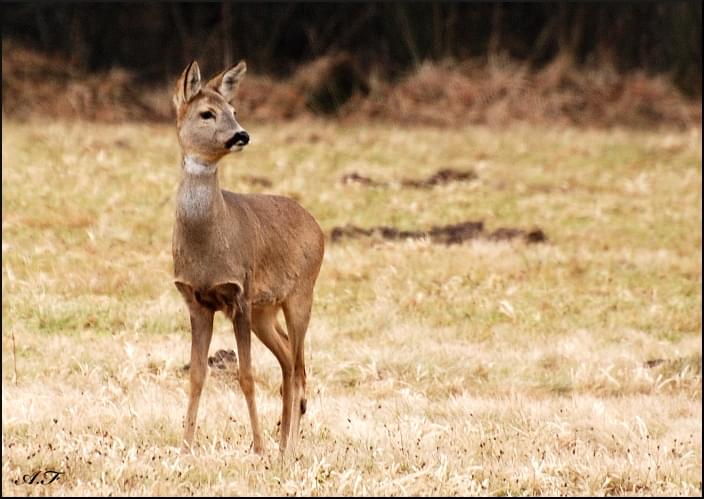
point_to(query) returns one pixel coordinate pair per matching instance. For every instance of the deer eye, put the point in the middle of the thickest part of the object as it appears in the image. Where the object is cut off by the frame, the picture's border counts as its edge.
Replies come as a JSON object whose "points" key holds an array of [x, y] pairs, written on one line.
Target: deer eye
{"points": [[206, 115]]}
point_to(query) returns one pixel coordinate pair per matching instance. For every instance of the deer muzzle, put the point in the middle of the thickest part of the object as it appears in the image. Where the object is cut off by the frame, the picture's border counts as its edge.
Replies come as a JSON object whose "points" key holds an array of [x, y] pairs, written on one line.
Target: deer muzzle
{"points": [[238, 140]]}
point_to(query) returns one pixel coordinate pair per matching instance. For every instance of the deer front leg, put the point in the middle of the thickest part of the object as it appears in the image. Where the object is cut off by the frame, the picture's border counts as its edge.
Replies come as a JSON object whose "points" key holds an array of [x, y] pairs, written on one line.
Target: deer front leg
{"points": [[243, 335], [201, 334]]}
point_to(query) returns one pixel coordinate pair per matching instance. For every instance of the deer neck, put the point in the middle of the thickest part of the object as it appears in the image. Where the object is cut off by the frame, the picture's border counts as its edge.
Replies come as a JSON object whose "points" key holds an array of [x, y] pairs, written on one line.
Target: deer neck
{"points": [[199, 198]]}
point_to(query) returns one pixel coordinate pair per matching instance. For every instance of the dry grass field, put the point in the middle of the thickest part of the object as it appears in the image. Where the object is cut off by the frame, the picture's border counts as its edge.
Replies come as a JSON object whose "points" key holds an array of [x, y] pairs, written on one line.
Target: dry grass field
{"points": [[571, 366]]}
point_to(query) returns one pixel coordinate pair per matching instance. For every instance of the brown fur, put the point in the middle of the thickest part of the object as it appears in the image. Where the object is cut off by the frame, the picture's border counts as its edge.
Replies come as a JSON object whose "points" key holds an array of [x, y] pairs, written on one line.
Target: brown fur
{"points": [[247, 255]]}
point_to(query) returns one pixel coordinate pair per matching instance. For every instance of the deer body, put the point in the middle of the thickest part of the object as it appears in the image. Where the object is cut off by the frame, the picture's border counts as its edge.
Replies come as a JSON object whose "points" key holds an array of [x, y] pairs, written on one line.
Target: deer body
{"points": [[247, 255], [266, 244]]}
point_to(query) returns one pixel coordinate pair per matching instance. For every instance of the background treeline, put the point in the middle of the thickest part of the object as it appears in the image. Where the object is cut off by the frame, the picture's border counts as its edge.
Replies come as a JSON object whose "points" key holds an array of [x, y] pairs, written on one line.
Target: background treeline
{"points": [[155, 40]]}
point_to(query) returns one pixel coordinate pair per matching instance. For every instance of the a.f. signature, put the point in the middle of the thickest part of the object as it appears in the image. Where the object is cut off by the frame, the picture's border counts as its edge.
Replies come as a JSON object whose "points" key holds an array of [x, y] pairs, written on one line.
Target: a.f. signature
{"points": [[40, 477]]}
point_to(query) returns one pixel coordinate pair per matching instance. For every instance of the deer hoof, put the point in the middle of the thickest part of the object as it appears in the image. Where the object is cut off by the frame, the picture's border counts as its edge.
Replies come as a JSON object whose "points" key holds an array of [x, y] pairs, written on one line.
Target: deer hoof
{"points": [[258, 448], [304, 404]]}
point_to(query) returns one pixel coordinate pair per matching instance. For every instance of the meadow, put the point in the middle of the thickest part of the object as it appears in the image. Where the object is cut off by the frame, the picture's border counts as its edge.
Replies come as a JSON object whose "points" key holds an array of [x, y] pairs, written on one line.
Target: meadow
{"points": [[563, 367]]}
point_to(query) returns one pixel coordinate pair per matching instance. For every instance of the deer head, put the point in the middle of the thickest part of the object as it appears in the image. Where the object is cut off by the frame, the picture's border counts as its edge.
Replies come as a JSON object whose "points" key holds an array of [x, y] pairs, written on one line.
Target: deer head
{"points": [[205, 115]]}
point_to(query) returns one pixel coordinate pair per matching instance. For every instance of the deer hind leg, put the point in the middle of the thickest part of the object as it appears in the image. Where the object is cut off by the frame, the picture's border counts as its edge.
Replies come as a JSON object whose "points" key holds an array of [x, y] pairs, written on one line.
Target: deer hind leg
{"points": [[268, 331], [284, 337], [280, 330], [297, 312], [201, 334]]}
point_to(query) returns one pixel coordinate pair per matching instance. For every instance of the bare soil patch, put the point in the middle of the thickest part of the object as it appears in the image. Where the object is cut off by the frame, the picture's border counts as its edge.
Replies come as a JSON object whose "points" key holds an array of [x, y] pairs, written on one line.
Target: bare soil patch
{"points": [[356, 178], [225, 360], [257, 180], [441, 177], [443, 234]]}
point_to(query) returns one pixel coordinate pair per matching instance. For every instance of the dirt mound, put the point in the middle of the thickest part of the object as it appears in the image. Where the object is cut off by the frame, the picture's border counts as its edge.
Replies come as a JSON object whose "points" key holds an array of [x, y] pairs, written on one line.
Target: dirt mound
{"points": [[440, 177], [225, 360], [677, 365], [356, 178], [257, 180], [445, 234]]}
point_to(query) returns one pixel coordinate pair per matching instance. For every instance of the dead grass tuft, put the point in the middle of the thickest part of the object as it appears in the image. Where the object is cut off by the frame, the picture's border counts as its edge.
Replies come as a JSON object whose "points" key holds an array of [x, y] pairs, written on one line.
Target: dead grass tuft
{"points": [[446, 94], [504, 92]]}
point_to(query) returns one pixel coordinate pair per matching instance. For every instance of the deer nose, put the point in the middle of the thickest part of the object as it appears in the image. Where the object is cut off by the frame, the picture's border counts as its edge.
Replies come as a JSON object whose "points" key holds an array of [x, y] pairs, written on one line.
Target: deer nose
{"points": [[239, 139]]}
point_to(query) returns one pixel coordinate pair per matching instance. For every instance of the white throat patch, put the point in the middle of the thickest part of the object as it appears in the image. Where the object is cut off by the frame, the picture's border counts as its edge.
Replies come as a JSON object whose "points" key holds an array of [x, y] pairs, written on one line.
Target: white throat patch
{"points": [[194, 167], [195, 202], [196, 198]]}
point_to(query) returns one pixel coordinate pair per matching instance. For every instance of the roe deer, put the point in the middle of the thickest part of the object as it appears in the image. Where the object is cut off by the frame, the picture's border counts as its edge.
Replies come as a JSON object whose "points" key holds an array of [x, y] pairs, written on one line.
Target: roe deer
{"points": [[247, 255]]}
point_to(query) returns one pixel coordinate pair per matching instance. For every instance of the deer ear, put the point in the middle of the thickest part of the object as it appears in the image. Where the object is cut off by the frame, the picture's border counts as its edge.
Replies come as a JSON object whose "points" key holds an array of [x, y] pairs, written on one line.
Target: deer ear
{"points": [[187, 85], [226, 83]]}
